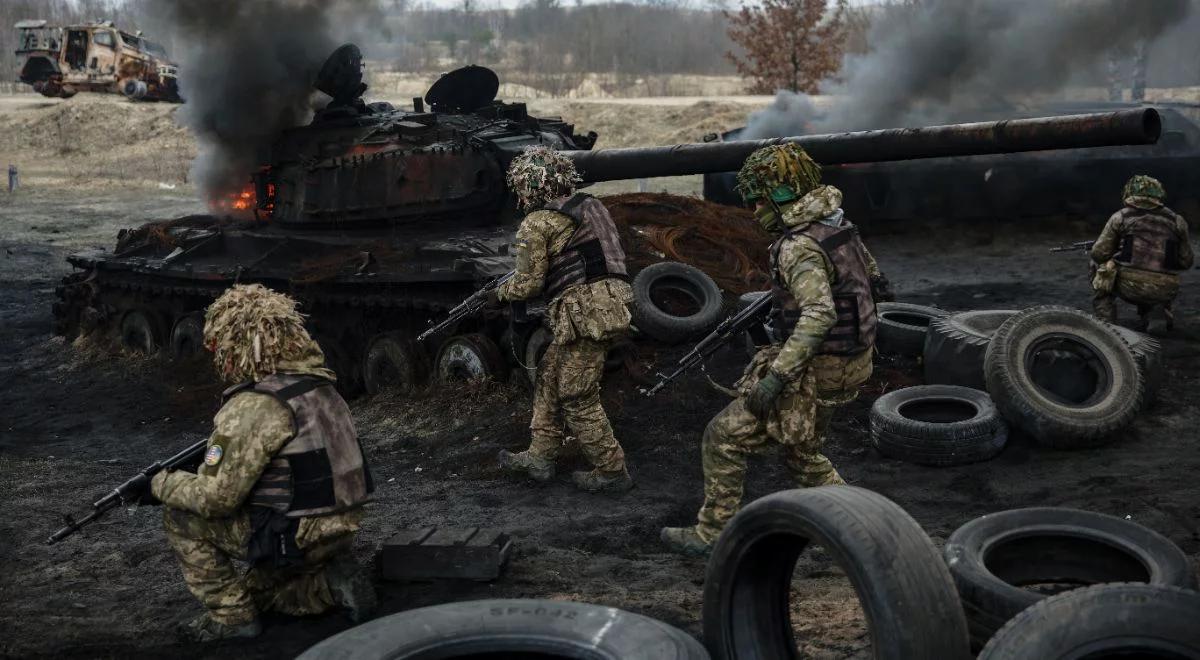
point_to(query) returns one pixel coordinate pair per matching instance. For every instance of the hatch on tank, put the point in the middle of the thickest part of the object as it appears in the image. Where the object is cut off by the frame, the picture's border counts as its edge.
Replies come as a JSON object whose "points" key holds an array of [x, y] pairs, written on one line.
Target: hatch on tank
{"points": [[463, 90]]}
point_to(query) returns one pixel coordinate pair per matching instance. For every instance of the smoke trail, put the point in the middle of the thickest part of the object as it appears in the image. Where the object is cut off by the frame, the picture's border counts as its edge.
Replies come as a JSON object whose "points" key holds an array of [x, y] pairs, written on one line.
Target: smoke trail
{"points": [[942, 59], [246, 72]]}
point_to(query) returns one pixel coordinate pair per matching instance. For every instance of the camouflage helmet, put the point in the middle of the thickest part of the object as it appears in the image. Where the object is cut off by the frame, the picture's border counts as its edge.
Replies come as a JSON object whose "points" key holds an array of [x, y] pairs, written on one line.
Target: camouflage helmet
{"points": [[540, 175], [251, 329], [1145, 187], [782, 172]]}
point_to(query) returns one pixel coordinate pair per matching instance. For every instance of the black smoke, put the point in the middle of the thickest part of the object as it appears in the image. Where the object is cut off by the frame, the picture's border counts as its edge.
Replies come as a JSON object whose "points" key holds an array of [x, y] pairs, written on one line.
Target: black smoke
{"points": [[246, 72], [938, 60]]}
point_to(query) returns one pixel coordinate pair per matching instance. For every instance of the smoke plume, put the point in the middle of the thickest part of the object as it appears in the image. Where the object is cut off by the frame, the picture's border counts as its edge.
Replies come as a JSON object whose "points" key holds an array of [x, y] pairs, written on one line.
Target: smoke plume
{"points": [[938, 60], [246, 73]]}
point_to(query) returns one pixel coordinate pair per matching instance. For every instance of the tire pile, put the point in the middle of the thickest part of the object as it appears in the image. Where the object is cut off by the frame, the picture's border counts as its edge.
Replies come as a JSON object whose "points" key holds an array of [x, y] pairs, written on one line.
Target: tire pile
{"points": [[1063, 377], [1125, 592]]}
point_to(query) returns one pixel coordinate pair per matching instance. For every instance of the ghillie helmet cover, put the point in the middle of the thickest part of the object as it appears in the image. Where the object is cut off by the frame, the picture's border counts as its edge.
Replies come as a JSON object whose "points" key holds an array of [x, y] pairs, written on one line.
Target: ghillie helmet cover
{"points": [[251, 329], [781, 172], [1144, 191], [540, 175]]}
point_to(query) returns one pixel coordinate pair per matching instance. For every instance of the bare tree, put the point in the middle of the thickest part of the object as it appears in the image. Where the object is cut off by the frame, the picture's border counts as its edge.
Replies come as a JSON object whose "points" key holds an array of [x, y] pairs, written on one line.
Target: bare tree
{"points": [[788, 44]]}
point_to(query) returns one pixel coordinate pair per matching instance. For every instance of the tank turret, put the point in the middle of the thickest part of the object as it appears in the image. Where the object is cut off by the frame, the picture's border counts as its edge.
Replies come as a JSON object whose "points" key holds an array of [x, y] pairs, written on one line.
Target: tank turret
{"points": [[379, 219]]}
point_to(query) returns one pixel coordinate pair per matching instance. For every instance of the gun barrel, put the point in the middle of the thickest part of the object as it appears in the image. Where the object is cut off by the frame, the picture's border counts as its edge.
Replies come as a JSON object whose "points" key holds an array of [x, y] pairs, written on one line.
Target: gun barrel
{"points": [[1101, 129]]}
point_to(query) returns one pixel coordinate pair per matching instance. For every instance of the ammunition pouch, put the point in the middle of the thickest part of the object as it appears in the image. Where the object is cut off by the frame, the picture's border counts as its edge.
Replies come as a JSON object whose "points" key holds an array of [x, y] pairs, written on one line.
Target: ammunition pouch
{"points": [[273, 538]]}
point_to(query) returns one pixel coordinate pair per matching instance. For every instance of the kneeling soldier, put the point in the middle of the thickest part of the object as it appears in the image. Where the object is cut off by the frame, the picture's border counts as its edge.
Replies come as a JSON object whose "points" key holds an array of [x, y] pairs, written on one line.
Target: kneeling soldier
{"points": [[283, 482]]}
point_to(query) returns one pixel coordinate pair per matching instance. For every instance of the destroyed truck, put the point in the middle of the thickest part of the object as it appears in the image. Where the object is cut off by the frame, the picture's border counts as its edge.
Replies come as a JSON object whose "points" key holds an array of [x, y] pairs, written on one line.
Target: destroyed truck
{"points": [[97, 57], [381, 219]]}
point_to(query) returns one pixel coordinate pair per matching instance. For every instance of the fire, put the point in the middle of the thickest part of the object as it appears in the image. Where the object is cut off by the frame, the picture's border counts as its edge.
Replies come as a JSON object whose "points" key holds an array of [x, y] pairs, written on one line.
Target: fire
{"points": [[244, 203], [244, 200]]}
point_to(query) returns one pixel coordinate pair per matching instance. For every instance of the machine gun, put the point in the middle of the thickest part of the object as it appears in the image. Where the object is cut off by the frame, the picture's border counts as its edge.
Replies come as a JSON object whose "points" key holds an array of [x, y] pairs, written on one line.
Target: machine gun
{"points": [[469, 307], [728, 330], [1081, 246], [131, 490]]}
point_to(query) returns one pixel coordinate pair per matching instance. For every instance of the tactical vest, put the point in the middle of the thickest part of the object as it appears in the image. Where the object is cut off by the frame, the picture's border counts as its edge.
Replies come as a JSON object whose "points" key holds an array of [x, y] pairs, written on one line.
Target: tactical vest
{"points": [[1150, 242], [321, 469], [594, 251], [854, 331]]}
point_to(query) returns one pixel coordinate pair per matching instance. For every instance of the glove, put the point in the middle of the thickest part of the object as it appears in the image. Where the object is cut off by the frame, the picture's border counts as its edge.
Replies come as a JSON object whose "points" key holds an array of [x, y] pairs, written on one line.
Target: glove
{"points": [[762, 398], [881, 289], [138, 492]]}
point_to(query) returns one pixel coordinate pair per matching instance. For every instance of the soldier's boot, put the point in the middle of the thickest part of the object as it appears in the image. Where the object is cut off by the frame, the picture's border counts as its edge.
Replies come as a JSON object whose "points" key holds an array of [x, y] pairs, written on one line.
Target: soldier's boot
{"points": [[684, 541], [595, 481], [351, 588], [537, 468], [205, 629]]}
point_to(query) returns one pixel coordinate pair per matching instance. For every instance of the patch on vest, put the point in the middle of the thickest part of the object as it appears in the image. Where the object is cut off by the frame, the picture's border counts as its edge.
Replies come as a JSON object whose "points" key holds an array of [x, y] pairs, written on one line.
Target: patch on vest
{"points": [[213, 455]]}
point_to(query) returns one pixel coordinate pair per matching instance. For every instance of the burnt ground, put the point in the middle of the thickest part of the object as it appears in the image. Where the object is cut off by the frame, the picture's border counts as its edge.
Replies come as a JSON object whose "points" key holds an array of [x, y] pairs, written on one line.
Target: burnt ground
{"points": [[78, 419]]}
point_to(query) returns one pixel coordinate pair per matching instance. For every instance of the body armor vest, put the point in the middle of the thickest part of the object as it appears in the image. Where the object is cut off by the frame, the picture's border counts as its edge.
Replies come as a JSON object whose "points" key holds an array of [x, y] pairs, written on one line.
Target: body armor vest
{"points": [[321, 469], [594, 251], [854, 331], [1150, 241]]}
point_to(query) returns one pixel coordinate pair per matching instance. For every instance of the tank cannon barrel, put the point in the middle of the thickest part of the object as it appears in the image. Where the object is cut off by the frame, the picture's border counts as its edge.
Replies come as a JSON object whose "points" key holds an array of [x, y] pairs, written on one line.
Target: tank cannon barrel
{"points": [[1101, 129]]}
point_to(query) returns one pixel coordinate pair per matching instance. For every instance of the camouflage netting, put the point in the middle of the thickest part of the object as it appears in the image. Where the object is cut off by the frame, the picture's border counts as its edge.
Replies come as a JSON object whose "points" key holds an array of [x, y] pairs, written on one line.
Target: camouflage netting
{"points": [[783, 172], [540, 175], [723, 241], [251, 330]]}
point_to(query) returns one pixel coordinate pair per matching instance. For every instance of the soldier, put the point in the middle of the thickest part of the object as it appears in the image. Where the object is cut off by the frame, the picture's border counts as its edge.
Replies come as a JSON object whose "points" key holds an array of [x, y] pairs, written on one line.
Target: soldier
{"points": [[823, 322], [568, 251], [1139, 253], [282, 484]]}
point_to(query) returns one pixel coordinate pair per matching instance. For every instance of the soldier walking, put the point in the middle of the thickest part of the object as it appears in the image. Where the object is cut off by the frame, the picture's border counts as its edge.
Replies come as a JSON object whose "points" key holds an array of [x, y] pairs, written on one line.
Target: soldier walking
{"points": [[283, 481], [823, 324], [568, 252], [1139, 254]]}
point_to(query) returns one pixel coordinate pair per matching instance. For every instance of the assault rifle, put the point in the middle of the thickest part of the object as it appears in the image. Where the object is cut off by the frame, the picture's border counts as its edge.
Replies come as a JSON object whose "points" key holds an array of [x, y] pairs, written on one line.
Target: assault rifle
{"points": [[1081, 246], [131, 490], [728, 330], [469, 307]]}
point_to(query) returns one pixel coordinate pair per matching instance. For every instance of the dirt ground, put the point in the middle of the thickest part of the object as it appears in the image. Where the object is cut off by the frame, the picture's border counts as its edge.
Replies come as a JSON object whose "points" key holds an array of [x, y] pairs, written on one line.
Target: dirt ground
{"points": [[77, 419]]}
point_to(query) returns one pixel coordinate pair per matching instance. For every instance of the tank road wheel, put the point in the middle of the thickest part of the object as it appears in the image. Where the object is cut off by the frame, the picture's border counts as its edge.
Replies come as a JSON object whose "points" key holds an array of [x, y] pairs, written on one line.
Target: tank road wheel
{"points": [[470, 357], [141, 331], [391, 363], [343, 365], [187, 337]]}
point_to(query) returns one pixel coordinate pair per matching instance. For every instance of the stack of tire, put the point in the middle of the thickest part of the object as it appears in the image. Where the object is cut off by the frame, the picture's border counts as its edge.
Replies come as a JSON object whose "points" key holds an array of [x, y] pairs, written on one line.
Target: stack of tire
{"points": [[1063, 583], [1064, 377]]}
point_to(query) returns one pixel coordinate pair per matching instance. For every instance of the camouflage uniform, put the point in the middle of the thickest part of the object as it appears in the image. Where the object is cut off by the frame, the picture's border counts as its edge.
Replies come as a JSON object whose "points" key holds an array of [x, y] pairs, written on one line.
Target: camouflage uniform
{"points": [[207, 518], [815, 384], [584, 315], [584, 320], [1143, 287]]}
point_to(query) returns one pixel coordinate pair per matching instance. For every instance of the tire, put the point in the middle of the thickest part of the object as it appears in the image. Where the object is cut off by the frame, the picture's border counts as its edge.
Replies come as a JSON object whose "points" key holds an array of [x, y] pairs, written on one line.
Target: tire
{"points": [[905, 589], [956, 345], [1148, 352], [187, 337], [512, 629], [1112, 620], [391, 363], [937, 425], [1062, 376], [995, 558], [902, 327], [142, 331], [535, 348], [660, 286], [470, 357]]}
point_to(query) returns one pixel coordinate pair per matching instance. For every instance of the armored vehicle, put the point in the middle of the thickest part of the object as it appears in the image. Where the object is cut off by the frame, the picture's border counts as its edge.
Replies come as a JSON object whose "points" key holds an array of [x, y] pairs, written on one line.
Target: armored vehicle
{"points": [[97, 57], [380, 219]]}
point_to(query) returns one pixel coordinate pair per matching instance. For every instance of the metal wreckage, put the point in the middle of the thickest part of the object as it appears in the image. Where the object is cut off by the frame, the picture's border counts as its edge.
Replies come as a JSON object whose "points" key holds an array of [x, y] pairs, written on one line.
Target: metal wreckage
{"points": [[380, 220]]}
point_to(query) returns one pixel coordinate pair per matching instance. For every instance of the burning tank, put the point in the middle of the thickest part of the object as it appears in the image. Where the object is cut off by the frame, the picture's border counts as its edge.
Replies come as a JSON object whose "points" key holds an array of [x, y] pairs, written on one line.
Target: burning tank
{"points": [[380, 219]]}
